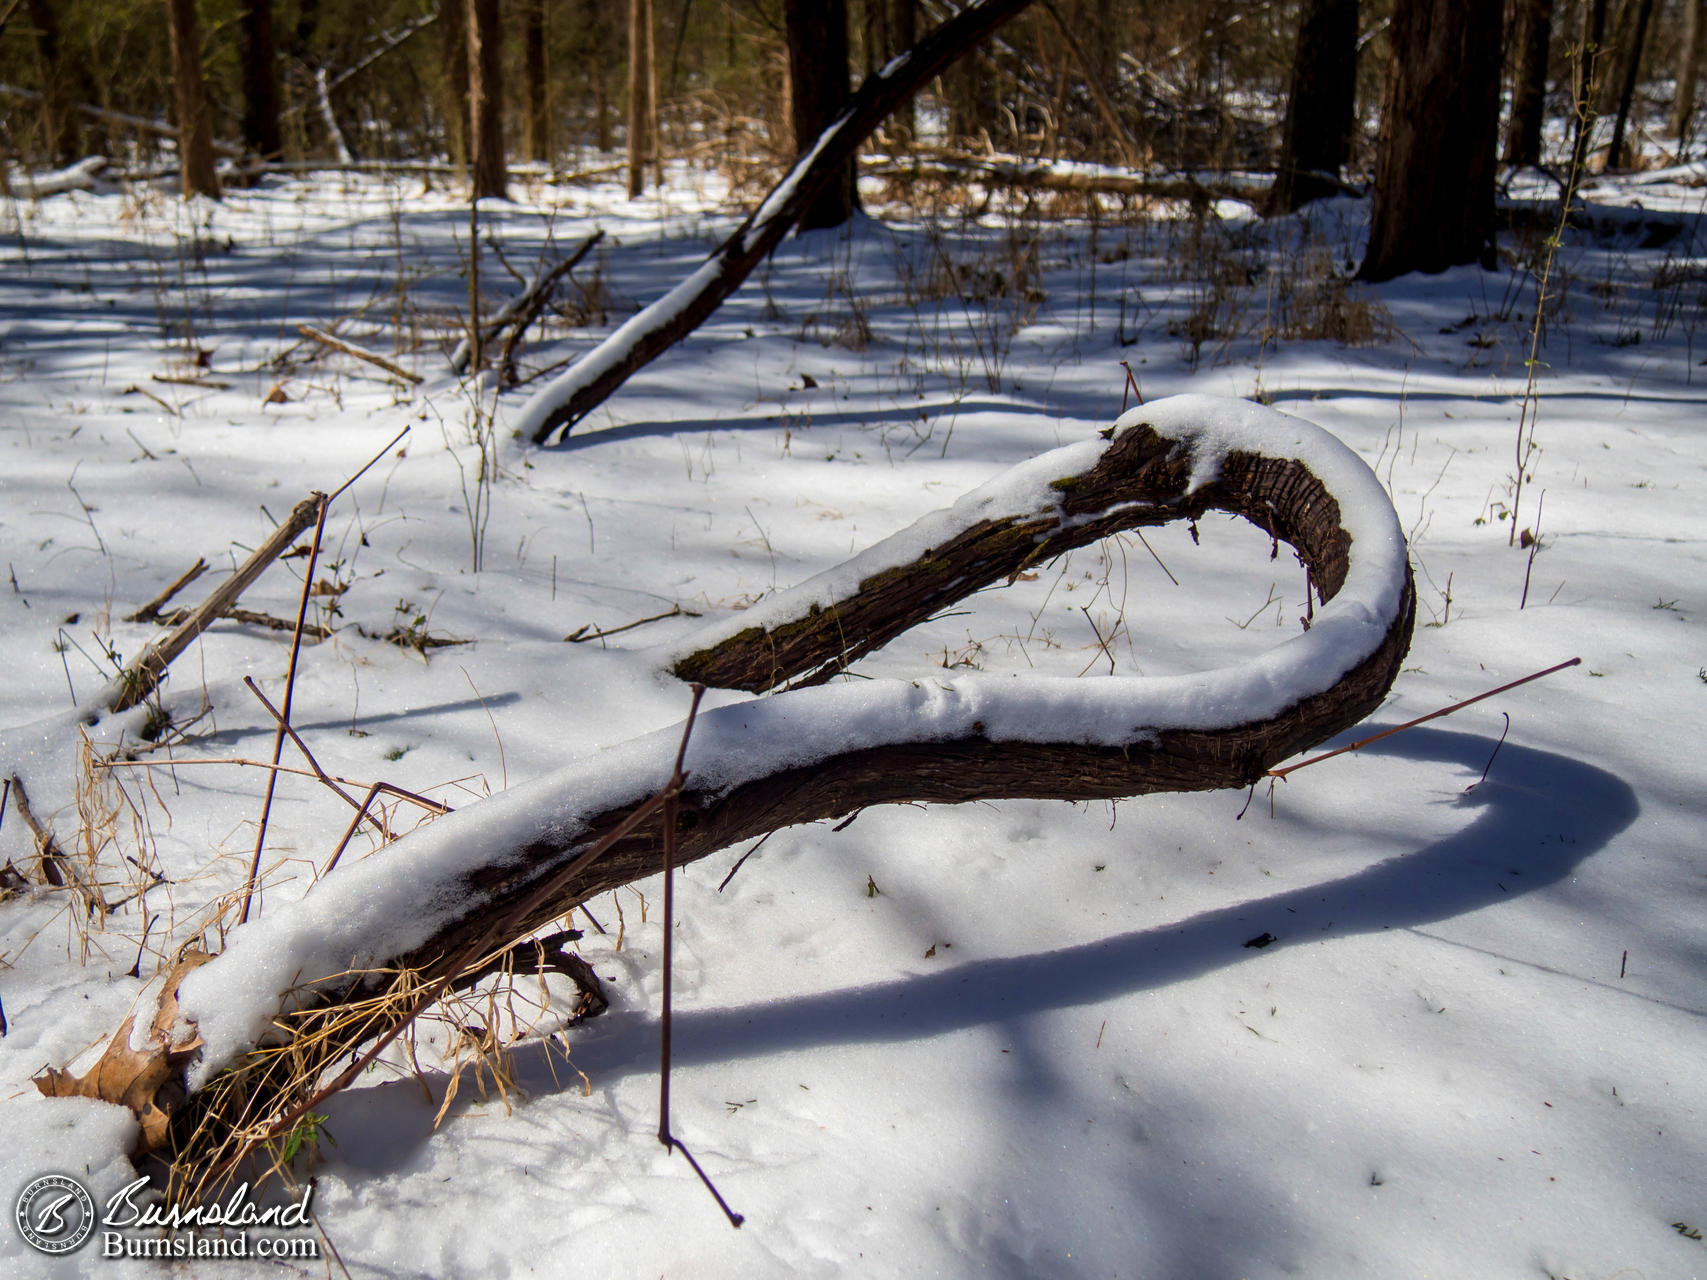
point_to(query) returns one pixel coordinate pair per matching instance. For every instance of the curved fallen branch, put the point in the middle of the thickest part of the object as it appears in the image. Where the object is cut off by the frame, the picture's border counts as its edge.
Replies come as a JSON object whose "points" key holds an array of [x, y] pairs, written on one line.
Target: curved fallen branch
{"points": [[310, 982]]}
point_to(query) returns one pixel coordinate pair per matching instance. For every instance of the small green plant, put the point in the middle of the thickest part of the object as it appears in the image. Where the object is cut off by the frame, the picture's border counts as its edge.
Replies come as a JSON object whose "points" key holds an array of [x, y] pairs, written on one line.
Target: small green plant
{"points": [[306, 1134]]}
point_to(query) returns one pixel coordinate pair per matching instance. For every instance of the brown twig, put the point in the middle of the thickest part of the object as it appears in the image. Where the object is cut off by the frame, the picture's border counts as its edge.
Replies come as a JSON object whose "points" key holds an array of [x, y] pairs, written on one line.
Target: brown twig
{"points": [[360, 353], [284, 717], [151, 611], [1411, 724], [581, 635]]}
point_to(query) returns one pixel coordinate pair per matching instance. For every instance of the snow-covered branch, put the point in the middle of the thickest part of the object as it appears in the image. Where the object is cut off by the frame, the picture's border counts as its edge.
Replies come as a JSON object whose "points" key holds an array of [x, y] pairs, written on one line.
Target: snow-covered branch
{"points": [[422, 905]]}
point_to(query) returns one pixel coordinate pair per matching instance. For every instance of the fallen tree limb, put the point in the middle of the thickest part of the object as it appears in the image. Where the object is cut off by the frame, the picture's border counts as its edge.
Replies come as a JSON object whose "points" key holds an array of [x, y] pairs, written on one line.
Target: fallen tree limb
{"points": [[570, 397], [360, 353], [142, 124], [374, 942], [1028, 175], [146, 670], [521, 311]]}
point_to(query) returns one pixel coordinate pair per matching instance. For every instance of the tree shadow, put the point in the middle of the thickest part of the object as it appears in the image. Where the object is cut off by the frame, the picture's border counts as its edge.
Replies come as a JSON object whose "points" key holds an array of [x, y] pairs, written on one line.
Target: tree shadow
{"points": [[1538, 815]]}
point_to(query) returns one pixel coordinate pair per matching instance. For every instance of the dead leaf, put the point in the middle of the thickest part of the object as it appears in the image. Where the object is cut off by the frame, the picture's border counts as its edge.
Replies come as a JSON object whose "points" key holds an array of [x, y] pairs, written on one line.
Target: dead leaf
{"points": [[148, 1080]]}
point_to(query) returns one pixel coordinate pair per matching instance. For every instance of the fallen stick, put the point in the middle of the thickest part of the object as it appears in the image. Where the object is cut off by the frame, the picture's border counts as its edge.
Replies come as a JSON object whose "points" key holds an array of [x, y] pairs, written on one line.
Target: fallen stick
{"points": [[148, 668], [1411, 724], [151, 611], [360, 353]]}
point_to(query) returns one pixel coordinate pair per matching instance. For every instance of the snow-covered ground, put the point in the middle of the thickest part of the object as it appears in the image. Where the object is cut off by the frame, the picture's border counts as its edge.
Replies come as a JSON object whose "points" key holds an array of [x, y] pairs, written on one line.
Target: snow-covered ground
{"points": [[1013, 1039]]}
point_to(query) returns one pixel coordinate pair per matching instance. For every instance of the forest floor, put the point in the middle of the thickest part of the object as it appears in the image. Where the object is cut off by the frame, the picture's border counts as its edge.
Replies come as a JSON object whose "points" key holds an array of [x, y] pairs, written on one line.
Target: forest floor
{"points": [[1018, 1039]]}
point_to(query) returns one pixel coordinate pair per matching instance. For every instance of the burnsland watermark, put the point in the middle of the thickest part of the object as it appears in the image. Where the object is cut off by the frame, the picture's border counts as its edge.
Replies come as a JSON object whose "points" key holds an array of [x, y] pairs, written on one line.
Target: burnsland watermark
{"points": [[56, 1215]]}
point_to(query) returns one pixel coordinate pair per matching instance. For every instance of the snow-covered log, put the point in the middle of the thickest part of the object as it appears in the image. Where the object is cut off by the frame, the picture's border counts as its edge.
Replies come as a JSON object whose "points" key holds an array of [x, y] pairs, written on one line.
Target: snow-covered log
{"points": [[564, 401], [498, 870], [82, 176]]}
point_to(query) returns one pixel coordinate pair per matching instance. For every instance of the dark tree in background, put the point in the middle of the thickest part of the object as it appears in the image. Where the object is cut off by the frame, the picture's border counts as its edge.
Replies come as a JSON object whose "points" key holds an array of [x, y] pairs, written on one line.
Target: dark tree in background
{"points": [[260, 81], [1321, 107], [1532, 33], [486, 98], [195, 125], [818, 80], [1688, 60], [453, 74], [64, 139], [1631, 64], [639, 93], [537, 131], [1433, 205]]}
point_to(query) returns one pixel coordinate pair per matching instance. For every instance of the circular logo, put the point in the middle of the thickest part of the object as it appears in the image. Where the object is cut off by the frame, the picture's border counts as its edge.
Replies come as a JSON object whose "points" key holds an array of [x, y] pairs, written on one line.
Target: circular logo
{"points": [[56, 1214]]}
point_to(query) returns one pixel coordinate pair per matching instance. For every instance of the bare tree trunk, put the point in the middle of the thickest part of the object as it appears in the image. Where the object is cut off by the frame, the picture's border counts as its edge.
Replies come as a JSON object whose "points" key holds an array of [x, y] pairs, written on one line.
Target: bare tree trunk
{"points": [[260, 81], [1688, 60], [639, 83], [62, 137], [1321, 107], [195, 125], [599, 31], [486, 99], [903, 34], [1615, 157], [1532, 39], [537, 120], [818, 83], [1434, 172], [453, 88], [1585, 91]]}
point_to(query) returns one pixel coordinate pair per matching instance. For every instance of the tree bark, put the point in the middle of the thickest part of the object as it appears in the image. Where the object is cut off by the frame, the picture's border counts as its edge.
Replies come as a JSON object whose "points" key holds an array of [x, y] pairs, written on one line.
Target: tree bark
{"points": [[62, 137], [646, 336], [1688, 64], [1632, 66], [1532, 39], [1590, 66], [1144, 476], [818, 83], [453, 78], [197, 176], [537, 120], [1320, 108], [639, 91], [260, 81], [599, 34], [486, 99], [1433, 206]]}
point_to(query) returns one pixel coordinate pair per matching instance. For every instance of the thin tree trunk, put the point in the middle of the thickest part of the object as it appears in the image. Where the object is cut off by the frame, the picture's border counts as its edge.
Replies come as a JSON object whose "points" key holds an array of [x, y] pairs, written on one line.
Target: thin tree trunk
{"points": [[260, 81], [1688, 60], [599, 31], [639, 78], [486, 99], [1532, 39], [538, 129], [1615, 157], [62, 138], [197, 175], [1586, 87], [453, 87], [1433, 206], [1321, 107], [818, 83], [903, 34]]}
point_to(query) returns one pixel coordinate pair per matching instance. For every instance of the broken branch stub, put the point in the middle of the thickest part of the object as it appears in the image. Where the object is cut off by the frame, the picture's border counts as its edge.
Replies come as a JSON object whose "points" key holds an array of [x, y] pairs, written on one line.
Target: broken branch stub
{"points": [[426, 905]]}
